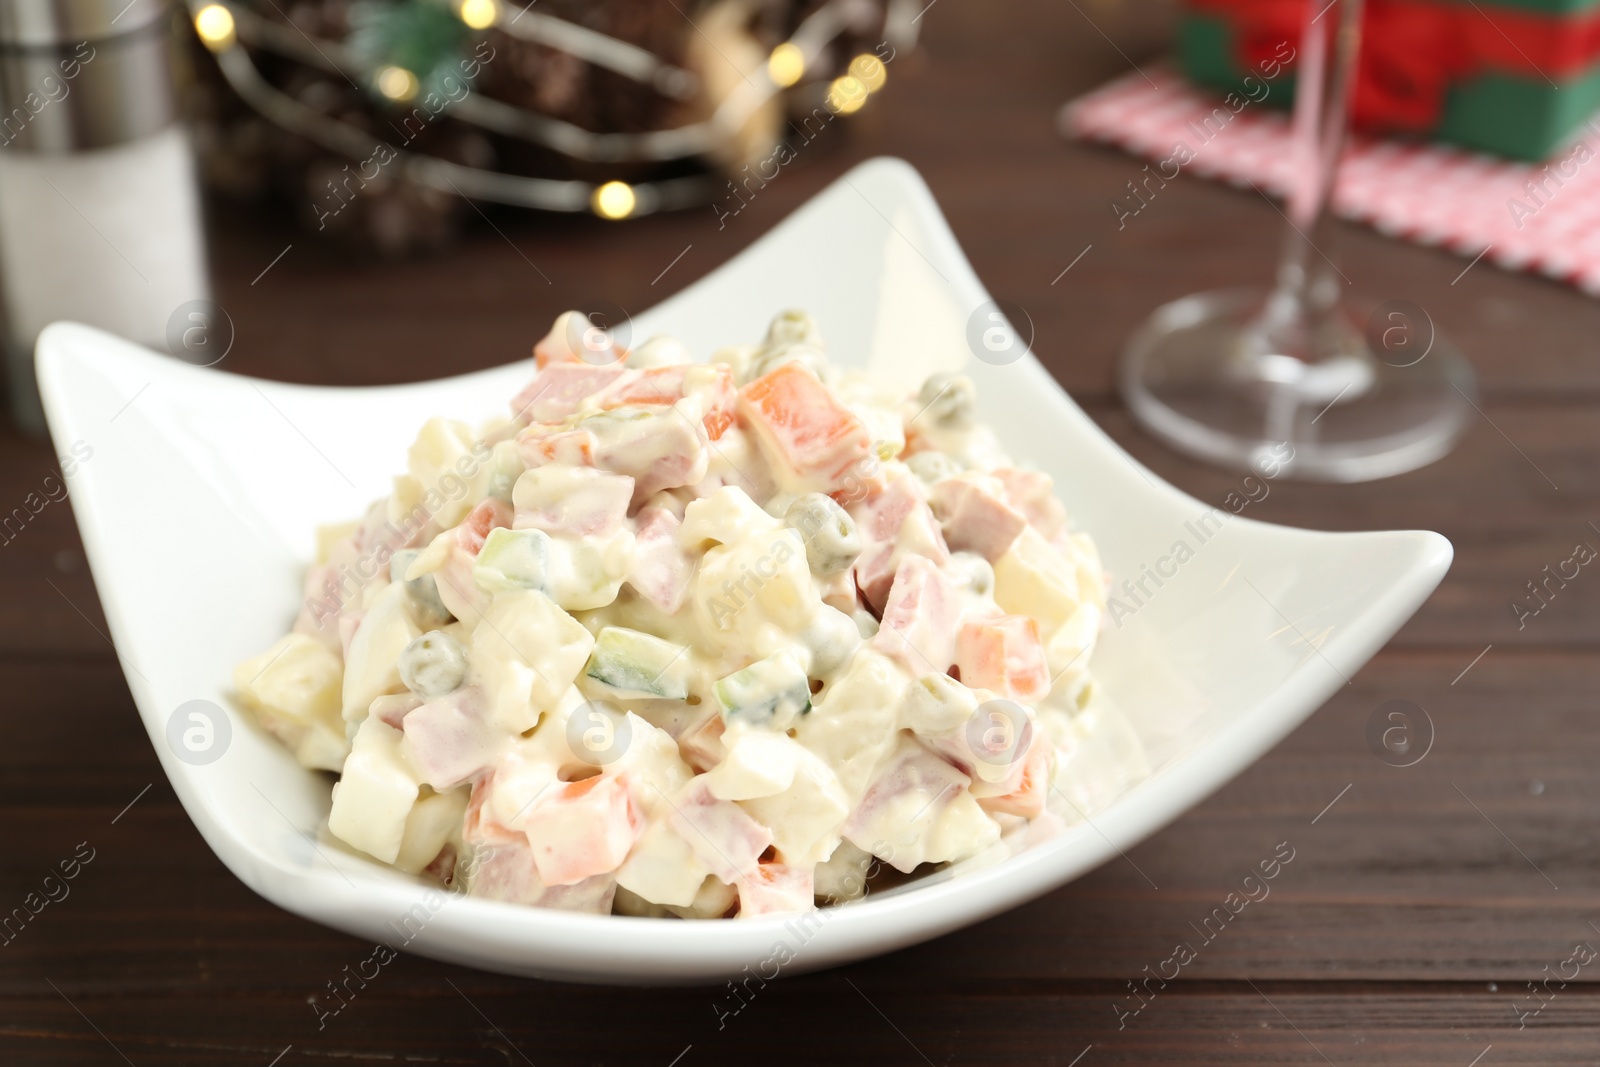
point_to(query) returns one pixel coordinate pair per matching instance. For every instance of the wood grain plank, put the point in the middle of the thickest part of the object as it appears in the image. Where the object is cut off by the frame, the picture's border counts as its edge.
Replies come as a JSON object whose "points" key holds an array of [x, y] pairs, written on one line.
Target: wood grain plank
{"points": [[847, 1018]]}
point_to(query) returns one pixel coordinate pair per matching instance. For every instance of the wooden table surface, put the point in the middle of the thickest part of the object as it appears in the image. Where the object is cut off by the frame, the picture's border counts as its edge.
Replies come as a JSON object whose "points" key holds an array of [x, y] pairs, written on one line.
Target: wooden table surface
{"points": [[1417, 911]]}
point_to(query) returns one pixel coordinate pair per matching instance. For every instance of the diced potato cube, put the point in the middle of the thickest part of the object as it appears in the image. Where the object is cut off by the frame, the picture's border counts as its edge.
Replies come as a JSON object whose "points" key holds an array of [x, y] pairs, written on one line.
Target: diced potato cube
{"points": [[298, 679], [807, 816], [662, 868], [936, 705], [442, 461], [1033, 578], [373, 797], [760, 763], [852, 725], [434, 822], [526, 655], [372, 664], [572, 501]]}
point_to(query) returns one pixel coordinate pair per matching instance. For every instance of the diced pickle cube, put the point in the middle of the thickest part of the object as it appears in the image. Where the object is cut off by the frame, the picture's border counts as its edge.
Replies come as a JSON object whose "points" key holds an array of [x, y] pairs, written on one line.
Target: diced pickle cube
{"points": [[427, 609], [770, 692], [631, 663], [513, 559]]}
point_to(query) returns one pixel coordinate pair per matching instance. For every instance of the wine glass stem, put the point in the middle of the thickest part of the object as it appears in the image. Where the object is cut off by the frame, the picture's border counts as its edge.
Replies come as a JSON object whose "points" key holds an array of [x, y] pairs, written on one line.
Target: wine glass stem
{"points": [[1307, 287]]}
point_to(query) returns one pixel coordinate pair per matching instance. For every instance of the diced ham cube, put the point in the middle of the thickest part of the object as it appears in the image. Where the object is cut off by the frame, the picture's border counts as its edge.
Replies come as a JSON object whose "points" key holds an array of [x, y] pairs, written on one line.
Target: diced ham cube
{"points": [[560, 389], [724, 838], [895, 524], [974, 517], [774, 889], [442, 868], [573, 338], [815, 442], [1003, 653], [898, 817], [661, 571], [321, 604], [450, 740], [507, 872], [1030, 493], [392, 709], [921, 618], [582, 829], [481, 826], [592, 896], [701, 741]]}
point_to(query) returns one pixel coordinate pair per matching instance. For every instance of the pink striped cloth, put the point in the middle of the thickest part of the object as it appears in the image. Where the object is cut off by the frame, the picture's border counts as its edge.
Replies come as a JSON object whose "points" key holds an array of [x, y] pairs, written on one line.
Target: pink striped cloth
{"points": [[1521, 216]]}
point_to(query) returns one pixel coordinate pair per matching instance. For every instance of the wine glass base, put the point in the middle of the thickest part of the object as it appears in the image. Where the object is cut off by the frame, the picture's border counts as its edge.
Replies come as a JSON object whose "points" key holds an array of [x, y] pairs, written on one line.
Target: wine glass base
{"points": [[1189, 376]]}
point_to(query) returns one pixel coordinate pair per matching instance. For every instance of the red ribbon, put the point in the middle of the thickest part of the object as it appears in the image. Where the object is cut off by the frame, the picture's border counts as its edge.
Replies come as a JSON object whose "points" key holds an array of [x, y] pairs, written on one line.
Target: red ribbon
{"points": [[1412, 51]]}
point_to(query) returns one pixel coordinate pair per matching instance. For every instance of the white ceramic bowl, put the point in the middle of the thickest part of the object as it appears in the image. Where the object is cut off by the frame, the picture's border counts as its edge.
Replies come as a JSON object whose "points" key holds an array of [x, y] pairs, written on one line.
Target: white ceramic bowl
{"points": [[198, 505]]}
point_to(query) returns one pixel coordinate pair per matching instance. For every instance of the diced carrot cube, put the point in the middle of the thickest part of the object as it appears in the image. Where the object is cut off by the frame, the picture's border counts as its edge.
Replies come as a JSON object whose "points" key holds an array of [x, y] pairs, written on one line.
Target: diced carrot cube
{"points": [[538, 445], [583, 829], [665, 386], [490, 513], [1003, 653], [1028, 797], [775, 888], [812, 437]]}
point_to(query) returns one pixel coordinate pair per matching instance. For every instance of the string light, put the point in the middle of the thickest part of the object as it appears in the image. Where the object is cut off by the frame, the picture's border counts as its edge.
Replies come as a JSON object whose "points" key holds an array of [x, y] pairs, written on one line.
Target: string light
{"points": [[869, 70], [786, 64], [222, 26], [397, 83], [478, 14], [614, 200], [214, 24], [846, 95]]}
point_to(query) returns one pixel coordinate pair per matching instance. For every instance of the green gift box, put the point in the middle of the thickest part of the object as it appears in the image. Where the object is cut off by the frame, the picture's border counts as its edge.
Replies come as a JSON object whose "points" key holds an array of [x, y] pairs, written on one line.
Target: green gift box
{"points": [[1517, 78]]}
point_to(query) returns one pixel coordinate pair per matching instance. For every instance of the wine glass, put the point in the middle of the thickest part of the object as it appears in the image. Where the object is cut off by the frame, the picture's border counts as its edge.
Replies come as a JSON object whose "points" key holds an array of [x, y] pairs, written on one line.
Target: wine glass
{"points": [[1232, 376]]}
